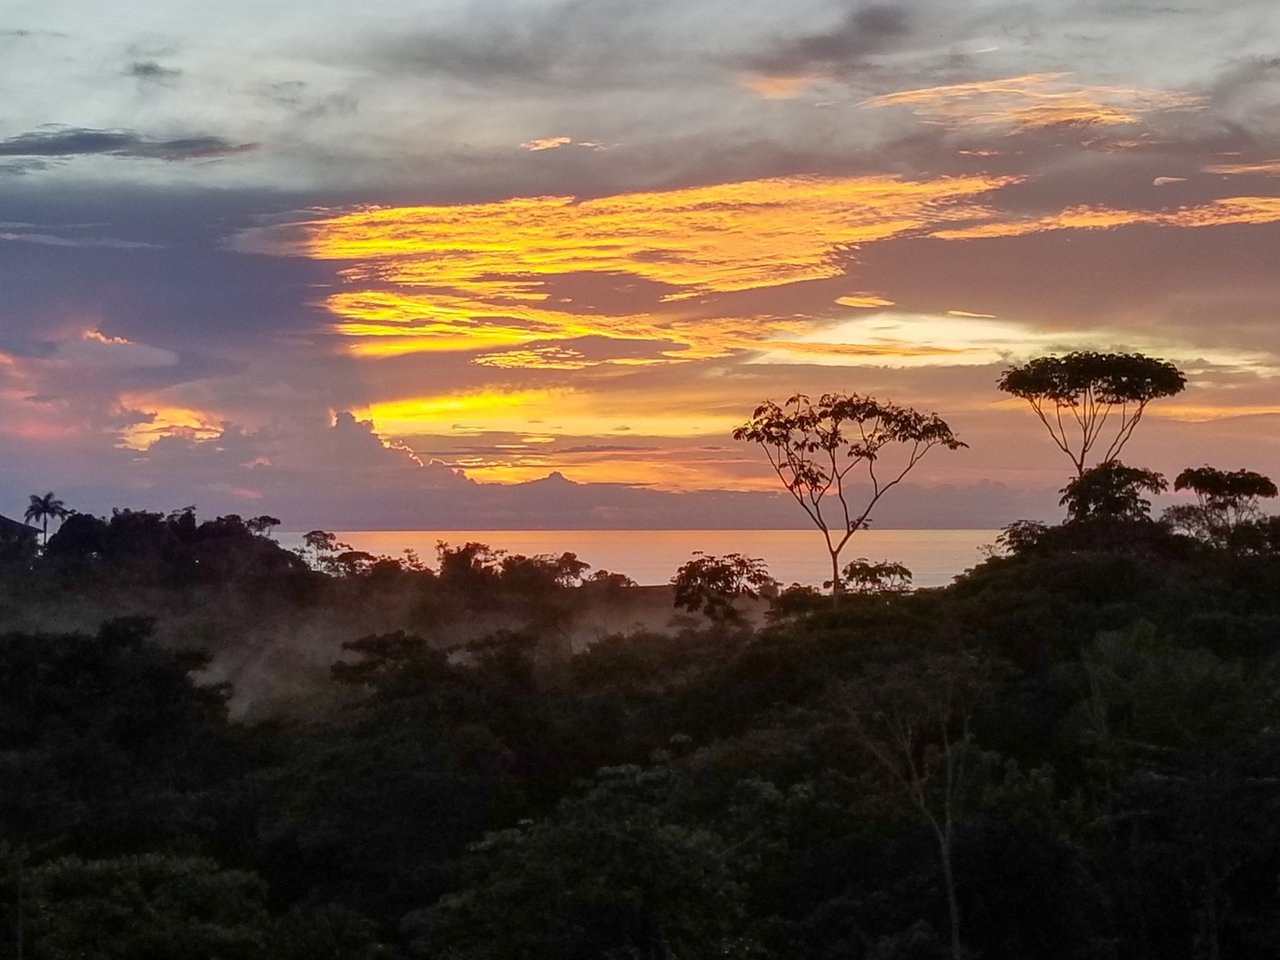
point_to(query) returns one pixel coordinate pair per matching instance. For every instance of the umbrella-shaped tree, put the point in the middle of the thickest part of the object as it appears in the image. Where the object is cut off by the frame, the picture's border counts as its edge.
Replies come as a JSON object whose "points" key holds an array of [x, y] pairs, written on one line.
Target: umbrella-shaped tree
{"points": [[1086, 398]]}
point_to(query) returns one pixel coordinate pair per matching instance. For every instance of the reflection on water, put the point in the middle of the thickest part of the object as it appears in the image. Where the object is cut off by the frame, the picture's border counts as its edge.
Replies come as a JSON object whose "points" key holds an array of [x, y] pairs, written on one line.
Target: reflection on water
{"points": [[652, 556]]}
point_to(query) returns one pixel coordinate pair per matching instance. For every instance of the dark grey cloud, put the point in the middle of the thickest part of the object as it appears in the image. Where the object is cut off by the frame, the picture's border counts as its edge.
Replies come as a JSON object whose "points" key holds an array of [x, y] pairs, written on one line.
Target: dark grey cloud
{"points": [[863, 31], [582, 44], [18, 168], [298, 99], [149, 71], [83, 141]]}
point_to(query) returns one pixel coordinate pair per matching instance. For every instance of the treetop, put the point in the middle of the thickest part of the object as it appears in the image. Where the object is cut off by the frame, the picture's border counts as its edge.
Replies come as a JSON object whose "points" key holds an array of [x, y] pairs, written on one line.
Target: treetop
{"points": [[1216, 484], [1112, 378], [804, 424]]}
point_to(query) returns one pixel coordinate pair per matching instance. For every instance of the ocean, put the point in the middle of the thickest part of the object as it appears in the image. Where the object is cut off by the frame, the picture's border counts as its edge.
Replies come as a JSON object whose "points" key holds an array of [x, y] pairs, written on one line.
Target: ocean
{"points": [[652, 556]]}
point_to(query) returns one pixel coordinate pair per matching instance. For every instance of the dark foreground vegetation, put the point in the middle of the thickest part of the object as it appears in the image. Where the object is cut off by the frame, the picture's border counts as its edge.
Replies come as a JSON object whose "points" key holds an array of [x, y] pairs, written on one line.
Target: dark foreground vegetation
{"points": [[1072, 752]]}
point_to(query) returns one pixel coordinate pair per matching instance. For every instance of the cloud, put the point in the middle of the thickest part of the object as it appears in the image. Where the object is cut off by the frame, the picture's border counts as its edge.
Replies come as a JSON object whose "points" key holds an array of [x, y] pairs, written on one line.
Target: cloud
{"points": [[442, 283], [95, 350], [52, 240], [22, 34], [547, 143], [552, 46], [1033, 101], [540, 358], [1229, 211], [91, 385], [343, 474], [81, 141], [1265, 168], [864, 30], [149, 71], [776, 86], [864, 301]]}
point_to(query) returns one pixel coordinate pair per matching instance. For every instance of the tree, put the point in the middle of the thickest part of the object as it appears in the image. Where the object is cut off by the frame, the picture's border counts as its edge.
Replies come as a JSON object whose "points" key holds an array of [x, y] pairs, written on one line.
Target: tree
{"points": [[1224, 501], [615, 873], [41, 509], [148, 905], [884, 578], [262, 525], [913, 719], [1077, 395], [711, 584], [1111, 491], [813, 448]]}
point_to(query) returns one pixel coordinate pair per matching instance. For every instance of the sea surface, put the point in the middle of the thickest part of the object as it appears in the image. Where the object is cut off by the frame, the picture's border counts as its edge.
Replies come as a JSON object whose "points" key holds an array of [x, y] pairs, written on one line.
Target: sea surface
{"points": [[652, 556]]}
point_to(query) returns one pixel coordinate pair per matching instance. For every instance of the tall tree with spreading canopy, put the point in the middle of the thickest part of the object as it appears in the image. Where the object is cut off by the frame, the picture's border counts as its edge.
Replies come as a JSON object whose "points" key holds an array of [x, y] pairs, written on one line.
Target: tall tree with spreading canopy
{"points": [[814, 448], [41, 509], [1076, 396]]}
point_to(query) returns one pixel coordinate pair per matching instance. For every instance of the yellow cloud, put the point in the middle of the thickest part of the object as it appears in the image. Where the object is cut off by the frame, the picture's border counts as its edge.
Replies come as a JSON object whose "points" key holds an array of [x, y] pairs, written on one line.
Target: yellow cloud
{"points": [[1033, 101], [562, 411], [476, 276], [539, 358], [547, 143], [166, 421], [721, 238]]}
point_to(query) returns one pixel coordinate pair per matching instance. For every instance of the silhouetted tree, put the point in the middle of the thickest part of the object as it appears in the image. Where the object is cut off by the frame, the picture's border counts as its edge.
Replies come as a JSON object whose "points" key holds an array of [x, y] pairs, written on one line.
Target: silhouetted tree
{"points": [[1111, 491], [1224, 501], [883, 577], [814, 447], [262, 525], [41, 509], [711, 584], [1075, 396]]}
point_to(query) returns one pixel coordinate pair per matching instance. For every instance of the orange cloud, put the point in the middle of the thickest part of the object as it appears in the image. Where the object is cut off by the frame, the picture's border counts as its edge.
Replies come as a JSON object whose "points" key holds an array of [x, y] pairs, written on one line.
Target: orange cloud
{"points": [[1033, 101], [1267, 168], [776, 87], [1230, 211]]}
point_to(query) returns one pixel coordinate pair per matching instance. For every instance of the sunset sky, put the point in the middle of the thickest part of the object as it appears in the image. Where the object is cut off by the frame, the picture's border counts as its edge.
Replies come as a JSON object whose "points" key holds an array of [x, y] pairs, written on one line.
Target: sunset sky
{"points": [[397, 264]]}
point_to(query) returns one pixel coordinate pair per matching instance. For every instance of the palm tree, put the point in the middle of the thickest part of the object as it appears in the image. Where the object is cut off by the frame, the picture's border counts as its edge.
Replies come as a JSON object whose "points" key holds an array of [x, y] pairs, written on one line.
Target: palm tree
{"points": [[42, 508]]}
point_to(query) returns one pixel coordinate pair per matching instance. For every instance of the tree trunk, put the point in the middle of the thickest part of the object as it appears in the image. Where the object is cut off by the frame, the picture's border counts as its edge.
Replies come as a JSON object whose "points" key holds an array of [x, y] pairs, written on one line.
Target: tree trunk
{"points": [[953, 905], [837, 587]]}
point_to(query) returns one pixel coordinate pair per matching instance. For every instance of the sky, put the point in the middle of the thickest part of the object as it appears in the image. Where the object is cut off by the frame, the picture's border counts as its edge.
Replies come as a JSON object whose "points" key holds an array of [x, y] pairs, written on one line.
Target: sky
{"points": [[528, 263]]}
